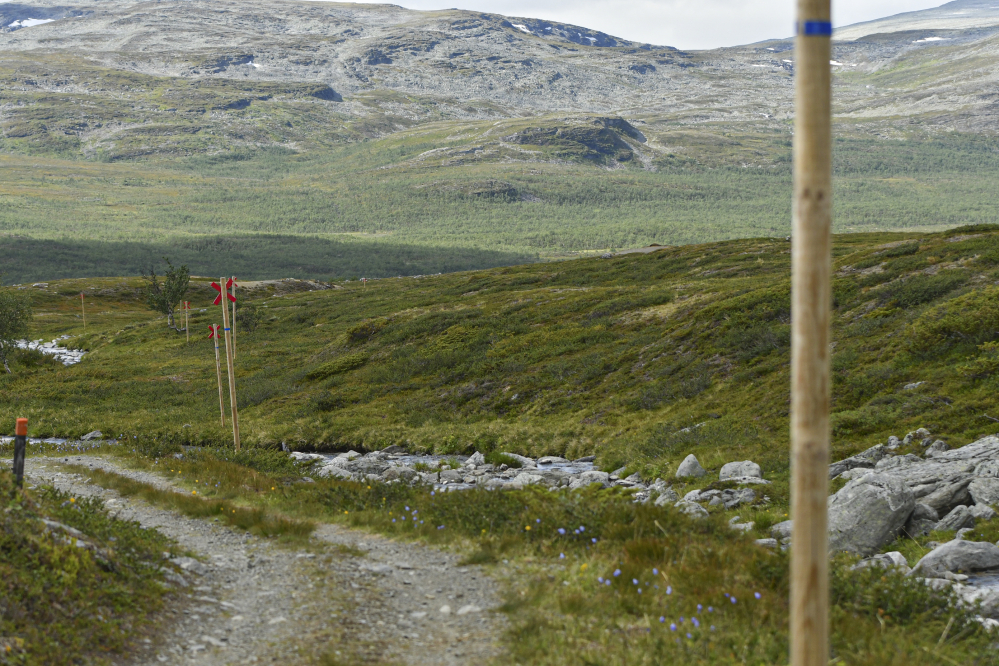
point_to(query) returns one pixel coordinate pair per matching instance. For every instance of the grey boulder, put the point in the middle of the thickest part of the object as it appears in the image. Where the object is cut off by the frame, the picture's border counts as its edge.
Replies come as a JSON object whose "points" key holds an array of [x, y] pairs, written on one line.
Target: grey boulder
{"points": [[957, 519], [476, 459], [890, 560], [865, 459], [868, 513], [737, 470], [690, 468], [923, 520], [691, 509], [96, 434], [524, 461], [958, 556], [667, 496], [586, 478], [782, 530], [982, 512]]}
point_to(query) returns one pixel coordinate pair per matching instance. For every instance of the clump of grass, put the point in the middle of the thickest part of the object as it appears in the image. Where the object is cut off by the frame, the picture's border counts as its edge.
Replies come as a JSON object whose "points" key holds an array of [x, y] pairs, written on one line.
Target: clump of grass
{"points": [[66, 604], [254, 520], [421, 466], [451, 463]]}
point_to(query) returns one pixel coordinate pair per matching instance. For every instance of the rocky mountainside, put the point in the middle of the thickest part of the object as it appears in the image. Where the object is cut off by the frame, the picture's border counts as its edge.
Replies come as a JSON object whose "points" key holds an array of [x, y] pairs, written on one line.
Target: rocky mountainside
{"points": [[369, 70]]}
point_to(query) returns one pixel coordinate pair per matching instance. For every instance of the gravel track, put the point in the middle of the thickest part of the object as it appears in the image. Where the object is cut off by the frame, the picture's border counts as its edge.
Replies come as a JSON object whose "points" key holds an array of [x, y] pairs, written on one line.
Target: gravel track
{"points": [[359, 597]]}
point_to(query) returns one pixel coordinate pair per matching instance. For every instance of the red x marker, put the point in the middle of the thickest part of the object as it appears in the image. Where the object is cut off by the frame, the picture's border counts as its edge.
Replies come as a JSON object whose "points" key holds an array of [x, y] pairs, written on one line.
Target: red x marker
{"points": [[218, 299], [213, 331]]}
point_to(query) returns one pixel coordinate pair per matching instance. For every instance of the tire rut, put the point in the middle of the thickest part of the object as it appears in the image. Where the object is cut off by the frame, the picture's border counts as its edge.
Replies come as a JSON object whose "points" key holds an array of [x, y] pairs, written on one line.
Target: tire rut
{"points": [[359, 597]]}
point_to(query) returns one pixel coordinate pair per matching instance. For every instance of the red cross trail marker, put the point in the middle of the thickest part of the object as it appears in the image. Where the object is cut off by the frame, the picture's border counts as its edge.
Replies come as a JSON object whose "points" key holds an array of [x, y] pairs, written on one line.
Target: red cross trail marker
{"points": [[214, 333], [218, 299]]}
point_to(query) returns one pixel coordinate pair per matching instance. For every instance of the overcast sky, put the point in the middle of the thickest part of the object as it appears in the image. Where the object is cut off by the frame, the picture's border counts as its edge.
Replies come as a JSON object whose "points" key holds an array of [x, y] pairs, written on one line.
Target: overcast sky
{"points": [[685, 24]]}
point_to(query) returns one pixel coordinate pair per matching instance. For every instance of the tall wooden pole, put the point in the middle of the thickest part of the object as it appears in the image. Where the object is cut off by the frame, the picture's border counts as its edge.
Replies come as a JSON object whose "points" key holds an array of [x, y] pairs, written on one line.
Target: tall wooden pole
{"points": [[218, 372], [187, 326], [234, 317], [229, 365], [811, 297], [83, 309]]}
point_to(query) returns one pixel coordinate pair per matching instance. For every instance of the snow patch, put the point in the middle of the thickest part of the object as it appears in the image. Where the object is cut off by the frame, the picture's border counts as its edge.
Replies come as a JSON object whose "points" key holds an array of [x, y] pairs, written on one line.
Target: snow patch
{"points": [[759, 65], [254, 65], [930, 39], [521, 27], [29, 23], [771, 49]]}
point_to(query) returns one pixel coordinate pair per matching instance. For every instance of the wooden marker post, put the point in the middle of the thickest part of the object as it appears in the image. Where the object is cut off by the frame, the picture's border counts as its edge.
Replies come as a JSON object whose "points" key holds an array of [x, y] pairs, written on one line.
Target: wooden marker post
{"points": [[811, 298], [233, 324], [187, 327], [20, 446], [83, 309], [214, 333], [221, 299]]}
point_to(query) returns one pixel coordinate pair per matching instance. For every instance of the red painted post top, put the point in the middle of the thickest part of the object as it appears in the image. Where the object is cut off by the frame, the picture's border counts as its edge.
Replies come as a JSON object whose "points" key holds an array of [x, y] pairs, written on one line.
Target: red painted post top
{"points": [[22, 428]]}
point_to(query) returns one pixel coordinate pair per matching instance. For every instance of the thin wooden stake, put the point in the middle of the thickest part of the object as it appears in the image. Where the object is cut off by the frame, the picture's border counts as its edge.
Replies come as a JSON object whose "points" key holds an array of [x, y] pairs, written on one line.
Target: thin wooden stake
{"points": [[811, 298], [229, 365], [234, 317], [83, 308], [187, 325], [218, 371]]}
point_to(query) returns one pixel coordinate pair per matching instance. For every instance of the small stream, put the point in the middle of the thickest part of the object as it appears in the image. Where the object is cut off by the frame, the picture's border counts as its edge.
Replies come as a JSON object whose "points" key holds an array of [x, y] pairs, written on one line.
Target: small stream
{"points": [[61, 354]]}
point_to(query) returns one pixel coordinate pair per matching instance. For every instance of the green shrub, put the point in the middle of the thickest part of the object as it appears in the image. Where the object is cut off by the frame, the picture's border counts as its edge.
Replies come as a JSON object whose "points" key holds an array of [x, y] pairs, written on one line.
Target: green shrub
{"points": [[338, 366]]}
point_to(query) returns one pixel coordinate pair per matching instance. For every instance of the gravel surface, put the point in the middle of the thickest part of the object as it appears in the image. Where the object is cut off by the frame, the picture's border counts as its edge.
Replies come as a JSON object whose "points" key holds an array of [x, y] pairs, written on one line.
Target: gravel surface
{"points": [[360, 597]]}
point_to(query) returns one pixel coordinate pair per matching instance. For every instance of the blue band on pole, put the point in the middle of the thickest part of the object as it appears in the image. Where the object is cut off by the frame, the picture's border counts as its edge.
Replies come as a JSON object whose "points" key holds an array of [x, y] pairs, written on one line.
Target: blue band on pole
{"points": [[815, 28], [225, 329]]}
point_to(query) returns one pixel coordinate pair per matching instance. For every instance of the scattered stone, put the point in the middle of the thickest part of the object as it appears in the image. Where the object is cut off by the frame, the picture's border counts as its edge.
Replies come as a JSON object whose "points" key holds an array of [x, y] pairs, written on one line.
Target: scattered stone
{"points": [[868, 513], [743, 469], [885, 561], [893, 443], [782, 530], [922, 521], [96, 434], [690, 468], [936, 447], [667, 496], [946, 497], [585, 459], [445, 610], [525, 462], [692, 509], [958, 557], [959, 518], [866, 459], [476, 459], [586, 478], [982, 512], [913, 385], [733, 498], [551, 460], [190, 564], [767, 543], [470, 608]]}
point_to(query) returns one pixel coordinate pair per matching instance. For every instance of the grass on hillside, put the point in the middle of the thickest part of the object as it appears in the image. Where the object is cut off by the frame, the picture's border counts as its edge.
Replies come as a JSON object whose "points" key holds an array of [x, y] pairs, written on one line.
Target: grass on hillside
{"points": [[62, 603]]}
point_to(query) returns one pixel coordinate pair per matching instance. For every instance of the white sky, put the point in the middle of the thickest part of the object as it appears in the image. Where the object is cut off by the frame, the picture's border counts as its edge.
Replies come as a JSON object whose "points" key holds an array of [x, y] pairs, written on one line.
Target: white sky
{"points": [[685, 24]]}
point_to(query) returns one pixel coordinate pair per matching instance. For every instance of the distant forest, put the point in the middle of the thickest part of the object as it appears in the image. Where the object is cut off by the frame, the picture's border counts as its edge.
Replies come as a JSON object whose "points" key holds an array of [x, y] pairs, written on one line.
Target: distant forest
{"points": [[259, 257]]}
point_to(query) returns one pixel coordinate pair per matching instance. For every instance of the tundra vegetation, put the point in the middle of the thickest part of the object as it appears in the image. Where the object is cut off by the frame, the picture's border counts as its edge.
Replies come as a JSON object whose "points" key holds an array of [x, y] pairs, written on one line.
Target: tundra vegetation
{"points": [[640, 359]]}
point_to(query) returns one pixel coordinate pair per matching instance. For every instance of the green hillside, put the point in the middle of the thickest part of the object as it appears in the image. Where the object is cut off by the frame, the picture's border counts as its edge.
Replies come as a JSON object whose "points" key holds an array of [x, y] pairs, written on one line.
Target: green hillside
{"points": [[609, 356], [639, 359]]}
